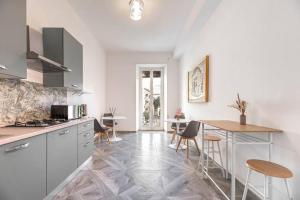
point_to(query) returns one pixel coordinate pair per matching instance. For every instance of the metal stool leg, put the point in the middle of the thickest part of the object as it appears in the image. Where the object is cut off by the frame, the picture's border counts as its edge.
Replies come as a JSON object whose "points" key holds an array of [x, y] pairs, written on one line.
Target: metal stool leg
{"points": [[246, 184], [219, 149], [213, 150], [207, 157], [265, 188], [287, 189]]}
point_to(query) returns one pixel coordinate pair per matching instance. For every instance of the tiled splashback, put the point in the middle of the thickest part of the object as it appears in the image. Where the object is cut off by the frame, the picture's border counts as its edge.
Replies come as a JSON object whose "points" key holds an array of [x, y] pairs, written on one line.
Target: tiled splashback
{"points": [[24, 100]]}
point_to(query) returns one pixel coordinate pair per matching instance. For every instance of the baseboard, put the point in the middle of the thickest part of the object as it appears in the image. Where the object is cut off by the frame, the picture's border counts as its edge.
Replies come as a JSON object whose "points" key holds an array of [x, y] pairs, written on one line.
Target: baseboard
{"points": [[52, 194], [126, 132]]}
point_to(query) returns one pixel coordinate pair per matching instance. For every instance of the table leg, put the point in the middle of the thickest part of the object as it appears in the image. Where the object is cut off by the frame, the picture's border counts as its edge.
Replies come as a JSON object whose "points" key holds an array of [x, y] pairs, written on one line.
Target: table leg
{"points": [[226, 156], [202, 152], [270, 159], [174, 146], [114, 137], [233, 159]]}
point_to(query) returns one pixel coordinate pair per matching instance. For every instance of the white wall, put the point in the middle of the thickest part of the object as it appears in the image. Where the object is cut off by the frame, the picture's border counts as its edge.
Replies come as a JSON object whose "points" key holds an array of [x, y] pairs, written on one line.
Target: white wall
{"points": [[121, 83], [254, 49], [56, 13]]}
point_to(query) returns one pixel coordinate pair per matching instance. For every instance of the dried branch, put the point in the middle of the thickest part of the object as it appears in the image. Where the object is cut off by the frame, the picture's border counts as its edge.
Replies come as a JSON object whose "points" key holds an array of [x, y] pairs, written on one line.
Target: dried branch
{"points": [[240, 105]]}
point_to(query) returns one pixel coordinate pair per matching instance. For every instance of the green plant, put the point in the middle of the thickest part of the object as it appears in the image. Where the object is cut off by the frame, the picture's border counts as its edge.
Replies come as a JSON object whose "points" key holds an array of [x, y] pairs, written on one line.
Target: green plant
{"points": [[156, 103], [146, 116]]}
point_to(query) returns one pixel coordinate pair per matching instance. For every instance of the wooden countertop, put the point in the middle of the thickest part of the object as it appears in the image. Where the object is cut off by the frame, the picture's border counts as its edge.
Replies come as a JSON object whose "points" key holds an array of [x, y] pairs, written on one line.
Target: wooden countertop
{"points": [[13, 134], [232, 126]]}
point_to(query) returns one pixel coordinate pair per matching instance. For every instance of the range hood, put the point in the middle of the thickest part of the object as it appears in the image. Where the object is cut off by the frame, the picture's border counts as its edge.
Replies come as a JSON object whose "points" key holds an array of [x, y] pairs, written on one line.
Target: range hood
{"points": [[35, 38]]}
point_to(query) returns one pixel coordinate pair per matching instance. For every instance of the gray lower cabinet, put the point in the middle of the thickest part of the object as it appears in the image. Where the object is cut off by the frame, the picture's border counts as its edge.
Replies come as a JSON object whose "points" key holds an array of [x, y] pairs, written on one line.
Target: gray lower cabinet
{"points": [[13, 39], [85, 146], [61, 156], [23, 169]]}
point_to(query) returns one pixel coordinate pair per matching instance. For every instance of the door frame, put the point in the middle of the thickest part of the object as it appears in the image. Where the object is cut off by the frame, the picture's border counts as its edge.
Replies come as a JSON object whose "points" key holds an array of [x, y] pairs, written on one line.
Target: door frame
{"points": [[154, 67]]}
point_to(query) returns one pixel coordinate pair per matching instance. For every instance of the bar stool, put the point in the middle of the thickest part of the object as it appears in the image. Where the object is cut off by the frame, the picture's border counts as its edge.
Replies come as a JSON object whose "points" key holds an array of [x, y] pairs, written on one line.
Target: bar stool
{"points": [[213, 139], [268, 169]]}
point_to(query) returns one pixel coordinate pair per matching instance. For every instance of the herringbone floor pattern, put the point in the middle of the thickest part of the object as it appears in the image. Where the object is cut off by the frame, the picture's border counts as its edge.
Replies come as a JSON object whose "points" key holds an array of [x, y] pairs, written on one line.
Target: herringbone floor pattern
{"points": [[140, 167]]}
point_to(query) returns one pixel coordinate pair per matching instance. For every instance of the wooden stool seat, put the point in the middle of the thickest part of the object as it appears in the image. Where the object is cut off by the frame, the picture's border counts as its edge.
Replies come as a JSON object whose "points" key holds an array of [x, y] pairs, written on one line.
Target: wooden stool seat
{"points": [[269, 168], [213, 138]]}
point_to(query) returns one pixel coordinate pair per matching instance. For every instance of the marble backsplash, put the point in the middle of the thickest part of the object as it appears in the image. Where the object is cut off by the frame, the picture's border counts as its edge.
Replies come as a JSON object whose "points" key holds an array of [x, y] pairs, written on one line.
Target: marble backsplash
{"points": [[23, 100]]}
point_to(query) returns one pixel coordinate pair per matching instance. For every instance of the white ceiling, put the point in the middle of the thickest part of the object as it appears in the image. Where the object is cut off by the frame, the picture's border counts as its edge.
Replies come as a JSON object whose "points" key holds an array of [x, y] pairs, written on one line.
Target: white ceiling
{"points": [[159, 30]]}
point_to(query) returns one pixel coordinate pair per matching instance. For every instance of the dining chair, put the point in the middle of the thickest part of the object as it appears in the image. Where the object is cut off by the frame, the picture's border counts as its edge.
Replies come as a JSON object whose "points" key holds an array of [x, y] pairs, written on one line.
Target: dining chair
{"points": [[101, 131], [182, 126], [189, 133]]}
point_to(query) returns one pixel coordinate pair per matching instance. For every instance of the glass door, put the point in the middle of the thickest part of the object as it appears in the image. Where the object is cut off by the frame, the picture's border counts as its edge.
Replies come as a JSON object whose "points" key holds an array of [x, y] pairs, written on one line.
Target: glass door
{"points": [[151, 99]]}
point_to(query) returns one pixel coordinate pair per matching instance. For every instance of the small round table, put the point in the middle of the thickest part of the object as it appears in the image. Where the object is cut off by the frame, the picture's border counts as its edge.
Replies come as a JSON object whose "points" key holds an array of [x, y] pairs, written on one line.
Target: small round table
{"points": [[114, 119], [177, 122]]}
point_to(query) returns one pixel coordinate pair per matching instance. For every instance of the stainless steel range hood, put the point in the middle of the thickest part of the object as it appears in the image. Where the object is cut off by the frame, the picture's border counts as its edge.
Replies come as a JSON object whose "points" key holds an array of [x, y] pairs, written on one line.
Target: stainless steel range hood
{"points": [[47, 64]]}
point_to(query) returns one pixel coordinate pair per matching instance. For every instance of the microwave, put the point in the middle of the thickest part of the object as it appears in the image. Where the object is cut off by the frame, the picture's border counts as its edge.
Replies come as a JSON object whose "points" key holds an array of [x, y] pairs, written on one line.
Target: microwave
{"points": [[66, 112]]}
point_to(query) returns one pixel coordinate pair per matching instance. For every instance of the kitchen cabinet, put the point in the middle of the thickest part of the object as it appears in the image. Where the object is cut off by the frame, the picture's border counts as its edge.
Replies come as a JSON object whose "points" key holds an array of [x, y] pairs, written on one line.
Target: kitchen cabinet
{"points": [[13, 39], [23, 169], [85, 141], [62, 47], [61, 155]]}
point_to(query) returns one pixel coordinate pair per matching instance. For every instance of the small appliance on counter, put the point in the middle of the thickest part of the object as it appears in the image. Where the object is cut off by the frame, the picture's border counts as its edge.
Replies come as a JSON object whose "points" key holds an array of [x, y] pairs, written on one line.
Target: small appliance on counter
{"points": [[68, 112], [84, 110]]}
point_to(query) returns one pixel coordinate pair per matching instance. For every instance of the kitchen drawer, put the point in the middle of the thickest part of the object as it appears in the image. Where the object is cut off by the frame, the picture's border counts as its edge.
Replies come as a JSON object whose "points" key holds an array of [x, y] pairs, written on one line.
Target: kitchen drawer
{"points": [[85, 136], [85, 150], [86, 126], [61, 155], [23, 169]]}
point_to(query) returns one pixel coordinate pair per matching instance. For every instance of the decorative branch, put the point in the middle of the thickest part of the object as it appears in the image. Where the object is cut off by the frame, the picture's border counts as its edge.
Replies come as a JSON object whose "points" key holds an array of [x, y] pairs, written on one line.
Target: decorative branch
{"points": [[240, 105]]}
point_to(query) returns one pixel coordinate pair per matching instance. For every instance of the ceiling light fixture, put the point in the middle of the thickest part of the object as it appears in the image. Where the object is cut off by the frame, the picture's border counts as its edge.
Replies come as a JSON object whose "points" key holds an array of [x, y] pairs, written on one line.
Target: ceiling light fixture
{"points": [[136, 9]]}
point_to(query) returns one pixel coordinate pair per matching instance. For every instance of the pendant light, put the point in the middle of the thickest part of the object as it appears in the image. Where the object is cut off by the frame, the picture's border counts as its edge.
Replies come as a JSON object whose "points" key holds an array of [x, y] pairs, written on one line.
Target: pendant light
{"points": [[136, 9]]}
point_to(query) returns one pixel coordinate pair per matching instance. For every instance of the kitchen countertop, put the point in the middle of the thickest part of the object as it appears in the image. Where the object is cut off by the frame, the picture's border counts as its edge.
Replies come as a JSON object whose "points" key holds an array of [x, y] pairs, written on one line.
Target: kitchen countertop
{"points": [[13, 134]]}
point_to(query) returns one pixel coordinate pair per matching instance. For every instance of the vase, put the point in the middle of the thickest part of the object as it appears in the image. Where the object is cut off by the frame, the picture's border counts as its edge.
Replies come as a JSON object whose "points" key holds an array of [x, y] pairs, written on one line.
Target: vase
{"points": [[243, 119]]}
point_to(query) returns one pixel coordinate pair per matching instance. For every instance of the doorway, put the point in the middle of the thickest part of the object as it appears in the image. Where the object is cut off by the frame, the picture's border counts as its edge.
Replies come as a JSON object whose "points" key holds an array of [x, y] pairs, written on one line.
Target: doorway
{"points": [[151, 98]]}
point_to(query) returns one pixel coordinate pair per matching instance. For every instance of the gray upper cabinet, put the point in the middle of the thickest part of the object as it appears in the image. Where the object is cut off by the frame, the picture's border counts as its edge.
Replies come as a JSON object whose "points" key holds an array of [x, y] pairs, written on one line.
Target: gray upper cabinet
{"points": [[23, 169], [61, 155], [13, 39], [62, 47]]}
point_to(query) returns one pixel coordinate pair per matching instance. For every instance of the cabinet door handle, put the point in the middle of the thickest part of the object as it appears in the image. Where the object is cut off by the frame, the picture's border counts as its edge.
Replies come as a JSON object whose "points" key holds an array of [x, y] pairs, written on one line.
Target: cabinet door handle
{"points": [[17, 148], [3, 67], [87, 125], [64, 132], [86, 144], [74, 85]]}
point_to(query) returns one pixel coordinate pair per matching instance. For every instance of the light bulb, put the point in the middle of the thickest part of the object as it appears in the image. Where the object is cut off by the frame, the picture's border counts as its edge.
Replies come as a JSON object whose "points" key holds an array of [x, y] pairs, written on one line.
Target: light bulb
{"points": [[136, 9]]}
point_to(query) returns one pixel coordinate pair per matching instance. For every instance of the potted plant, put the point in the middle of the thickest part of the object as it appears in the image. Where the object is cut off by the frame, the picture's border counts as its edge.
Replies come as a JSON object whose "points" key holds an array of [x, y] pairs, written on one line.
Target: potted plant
{"points": [[178, 114], [241, 106]]}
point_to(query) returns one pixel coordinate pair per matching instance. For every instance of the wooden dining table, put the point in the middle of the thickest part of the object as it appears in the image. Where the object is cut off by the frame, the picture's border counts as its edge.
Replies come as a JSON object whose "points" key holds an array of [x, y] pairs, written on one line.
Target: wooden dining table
{"points": [[236, 134]]}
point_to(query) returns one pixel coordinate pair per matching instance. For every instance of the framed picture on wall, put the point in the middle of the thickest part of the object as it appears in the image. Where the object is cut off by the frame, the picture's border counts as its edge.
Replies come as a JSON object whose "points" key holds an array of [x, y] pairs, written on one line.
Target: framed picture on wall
{"points": [[198, 82]]}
